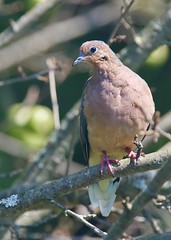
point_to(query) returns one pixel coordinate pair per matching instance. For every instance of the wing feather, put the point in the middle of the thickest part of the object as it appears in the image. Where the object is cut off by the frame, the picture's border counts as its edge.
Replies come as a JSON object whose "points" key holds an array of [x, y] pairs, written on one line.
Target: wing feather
{"points": [[84, 131]]}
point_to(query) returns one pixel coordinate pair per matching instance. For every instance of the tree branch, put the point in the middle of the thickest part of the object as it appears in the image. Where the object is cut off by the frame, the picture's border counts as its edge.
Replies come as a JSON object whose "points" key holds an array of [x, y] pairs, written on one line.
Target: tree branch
{"points": [[52, 64], [41, 195], [81, 218], [164, 124], [54, 34], [26, 21], [164, 236], [140, 201], [155, 34], [37, 75], [123, 14]]}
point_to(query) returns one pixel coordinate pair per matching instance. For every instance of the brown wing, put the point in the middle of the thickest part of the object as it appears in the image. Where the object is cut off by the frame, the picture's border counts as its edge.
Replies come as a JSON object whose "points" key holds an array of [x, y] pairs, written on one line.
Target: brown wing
{"points": [[84, 131]]}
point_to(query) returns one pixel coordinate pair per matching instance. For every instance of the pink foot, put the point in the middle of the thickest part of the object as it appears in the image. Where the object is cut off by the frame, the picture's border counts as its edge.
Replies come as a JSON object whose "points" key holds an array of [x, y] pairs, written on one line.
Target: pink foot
{"points": [[107, 161], [133, 156]]}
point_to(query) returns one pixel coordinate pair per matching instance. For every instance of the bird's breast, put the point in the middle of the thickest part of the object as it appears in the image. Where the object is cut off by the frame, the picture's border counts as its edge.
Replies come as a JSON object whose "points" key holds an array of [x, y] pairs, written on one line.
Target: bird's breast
{"points": [[107, 106], [111, 118]]}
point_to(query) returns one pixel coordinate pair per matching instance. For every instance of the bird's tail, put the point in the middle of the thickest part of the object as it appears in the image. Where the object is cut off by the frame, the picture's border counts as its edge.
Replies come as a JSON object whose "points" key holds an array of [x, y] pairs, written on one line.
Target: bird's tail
{"points": [[103, 197]]}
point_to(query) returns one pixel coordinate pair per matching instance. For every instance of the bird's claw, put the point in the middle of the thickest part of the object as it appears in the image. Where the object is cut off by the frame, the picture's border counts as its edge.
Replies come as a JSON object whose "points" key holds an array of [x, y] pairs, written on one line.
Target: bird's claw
{"points": [[133, 156], [106, 160]]}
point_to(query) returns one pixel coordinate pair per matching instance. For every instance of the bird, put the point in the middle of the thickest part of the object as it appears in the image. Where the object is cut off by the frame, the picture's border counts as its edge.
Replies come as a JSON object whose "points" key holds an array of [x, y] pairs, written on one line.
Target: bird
{"points": [[116, 106]]}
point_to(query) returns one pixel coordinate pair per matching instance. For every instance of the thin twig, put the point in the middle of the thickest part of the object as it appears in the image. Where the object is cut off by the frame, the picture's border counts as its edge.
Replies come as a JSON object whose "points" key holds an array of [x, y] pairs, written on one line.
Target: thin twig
{"points": [[130, 27], [52, 64], [81, 218], [164, 134], [24, 79], [123, 14], [164, 124], [11, 174], [156, 133]]}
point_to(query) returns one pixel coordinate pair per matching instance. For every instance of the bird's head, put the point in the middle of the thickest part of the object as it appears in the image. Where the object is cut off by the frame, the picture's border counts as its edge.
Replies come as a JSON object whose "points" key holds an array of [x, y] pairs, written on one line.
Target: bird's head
{"points": [[94, 52]]}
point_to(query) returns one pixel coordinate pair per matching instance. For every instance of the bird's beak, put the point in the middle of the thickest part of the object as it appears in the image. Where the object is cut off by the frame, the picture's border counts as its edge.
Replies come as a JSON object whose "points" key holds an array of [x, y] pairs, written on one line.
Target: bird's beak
{"points": [[78, 60]]}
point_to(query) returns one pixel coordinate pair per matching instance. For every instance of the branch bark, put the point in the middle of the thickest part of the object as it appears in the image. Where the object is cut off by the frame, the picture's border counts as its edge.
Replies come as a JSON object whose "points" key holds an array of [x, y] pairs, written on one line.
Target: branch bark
{"points": [[40, 196], [139, 202]]}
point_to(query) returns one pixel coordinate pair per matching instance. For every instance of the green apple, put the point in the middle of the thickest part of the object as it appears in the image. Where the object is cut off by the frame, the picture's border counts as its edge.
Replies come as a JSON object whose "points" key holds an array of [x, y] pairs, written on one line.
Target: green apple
{"points": [[19, 114], [41, 120], [33, 140], [158, 57], [28, 137]]}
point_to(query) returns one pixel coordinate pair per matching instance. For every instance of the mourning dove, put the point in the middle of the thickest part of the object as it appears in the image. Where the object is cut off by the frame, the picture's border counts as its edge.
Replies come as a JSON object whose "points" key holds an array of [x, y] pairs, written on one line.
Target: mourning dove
{"points": [[116, 105]]}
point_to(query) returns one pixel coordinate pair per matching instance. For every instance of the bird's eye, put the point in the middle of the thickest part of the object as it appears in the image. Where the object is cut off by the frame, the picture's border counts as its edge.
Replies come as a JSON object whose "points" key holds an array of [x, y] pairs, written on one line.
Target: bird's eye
{"points": [[92, 50]]}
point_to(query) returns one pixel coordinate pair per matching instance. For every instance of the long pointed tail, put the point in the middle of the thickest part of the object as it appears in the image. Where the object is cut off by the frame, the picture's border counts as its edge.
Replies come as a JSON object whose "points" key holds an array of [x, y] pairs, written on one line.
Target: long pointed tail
{"points": [[103, 199]]}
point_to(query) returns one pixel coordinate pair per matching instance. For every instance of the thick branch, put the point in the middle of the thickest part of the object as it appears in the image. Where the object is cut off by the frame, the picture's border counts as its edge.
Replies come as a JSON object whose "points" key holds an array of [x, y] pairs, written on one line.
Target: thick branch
{"points": [[40, 196]]}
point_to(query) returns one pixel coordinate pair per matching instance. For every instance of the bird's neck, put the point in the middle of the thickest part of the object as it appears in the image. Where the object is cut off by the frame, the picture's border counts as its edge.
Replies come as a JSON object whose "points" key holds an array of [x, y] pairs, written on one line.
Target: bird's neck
{"points": [[103, 73]]}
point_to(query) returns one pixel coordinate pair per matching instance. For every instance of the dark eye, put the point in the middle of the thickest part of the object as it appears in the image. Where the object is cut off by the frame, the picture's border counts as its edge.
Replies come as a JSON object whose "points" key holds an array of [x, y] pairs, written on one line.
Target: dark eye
{"points": [[92, 50]]}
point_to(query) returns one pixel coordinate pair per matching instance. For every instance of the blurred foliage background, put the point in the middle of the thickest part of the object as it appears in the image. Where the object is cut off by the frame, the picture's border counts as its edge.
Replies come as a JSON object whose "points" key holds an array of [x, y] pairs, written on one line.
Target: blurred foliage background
{"points": [[26, 118]]}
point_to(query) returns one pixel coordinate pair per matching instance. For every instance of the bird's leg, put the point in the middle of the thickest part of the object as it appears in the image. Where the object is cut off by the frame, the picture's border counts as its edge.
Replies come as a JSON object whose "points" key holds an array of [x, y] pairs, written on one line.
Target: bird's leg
{"points": [[106, 160], [132, 155], [139, 146]]}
